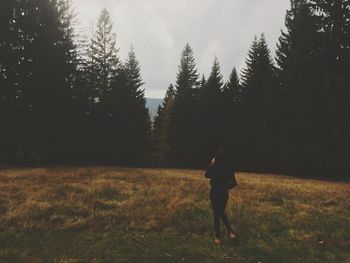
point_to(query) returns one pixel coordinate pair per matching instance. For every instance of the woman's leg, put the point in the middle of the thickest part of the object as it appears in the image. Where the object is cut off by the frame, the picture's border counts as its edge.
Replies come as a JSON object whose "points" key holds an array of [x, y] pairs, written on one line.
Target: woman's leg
{"points": [[223, 216], [217, 223], [226, 222], [216, 213]]}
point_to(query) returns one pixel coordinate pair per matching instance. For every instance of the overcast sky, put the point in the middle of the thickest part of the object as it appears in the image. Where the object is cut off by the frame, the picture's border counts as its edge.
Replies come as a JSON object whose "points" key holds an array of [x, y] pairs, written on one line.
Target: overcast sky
{"points": [[159, 29]]}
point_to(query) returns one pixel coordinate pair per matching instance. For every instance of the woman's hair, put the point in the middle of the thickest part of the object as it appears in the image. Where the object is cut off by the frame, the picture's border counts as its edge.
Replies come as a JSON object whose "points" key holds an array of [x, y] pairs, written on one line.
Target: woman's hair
{"points": [[222, 156]]}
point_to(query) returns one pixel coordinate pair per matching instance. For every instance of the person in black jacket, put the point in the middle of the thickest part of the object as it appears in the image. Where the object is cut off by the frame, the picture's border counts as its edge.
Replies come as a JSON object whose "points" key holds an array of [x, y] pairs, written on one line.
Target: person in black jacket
{"points": [[221, 174]]}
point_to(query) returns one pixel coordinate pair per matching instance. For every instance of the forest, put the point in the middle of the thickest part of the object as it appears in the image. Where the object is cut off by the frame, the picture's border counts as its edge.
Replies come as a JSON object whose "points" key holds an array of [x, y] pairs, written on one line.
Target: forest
{"points": [[71, 100]]}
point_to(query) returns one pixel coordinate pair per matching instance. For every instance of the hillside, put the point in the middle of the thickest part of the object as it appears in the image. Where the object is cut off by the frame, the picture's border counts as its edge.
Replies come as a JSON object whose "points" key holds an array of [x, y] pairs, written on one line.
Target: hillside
{"points": [[156, 215]]}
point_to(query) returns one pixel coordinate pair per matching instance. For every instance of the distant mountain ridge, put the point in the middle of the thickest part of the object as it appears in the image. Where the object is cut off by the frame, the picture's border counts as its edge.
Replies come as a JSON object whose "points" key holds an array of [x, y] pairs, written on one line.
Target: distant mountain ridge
{"points": [[152, 104]]}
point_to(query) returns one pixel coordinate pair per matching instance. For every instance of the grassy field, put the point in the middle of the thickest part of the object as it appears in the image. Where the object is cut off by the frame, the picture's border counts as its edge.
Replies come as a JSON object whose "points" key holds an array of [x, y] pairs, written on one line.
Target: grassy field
{"points": [[156, 215]]}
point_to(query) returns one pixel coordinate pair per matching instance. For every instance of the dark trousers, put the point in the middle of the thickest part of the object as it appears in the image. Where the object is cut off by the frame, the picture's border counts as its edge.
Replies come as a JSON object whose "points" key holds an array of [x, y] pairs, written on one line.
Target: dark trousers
{"points": [[218, 200]]}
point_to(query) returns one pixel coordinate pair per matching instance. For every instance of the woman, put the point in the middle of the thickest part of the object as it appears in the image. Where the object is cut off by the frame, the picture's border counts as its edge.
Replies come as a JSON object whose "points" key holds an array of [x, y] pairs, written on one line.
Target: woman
{"points": [[221, 175]]}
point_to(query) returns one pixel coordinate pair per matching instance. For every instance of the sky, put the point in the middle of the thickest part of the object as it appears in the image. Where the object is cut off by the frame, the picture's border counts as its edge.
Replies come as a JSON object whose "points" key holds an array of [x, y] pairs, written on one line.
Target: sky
{"points": [[159, 29]]}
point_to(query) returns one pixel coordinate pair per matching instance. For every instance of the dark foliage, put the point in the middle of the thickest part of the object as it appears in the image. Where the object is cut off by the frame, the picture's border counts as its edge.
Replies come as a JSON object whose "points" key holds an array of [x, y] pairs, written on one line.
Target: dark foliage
{"points": [[62, 101], [59, 105]]}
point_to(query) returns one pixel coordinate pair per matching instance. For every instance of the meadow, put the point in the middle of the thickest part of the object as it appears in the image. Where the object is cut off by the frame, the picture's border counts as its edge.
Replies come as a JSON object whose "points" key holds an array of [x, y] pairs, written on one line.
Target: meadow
{"points": [[109, 214]]}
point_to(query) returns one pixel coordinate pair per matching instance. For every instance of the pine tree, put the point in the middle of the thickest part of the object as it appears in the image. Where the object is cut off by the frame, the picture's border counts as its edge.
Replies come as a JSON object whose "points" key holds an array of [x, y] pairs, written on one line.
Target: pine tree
{"points": [[211, 120], [75, 113], [103, 55], [11, 115], [155, 136], [39, 81], [134, 80], [183, 130], [139, 144], [213, 88], [127, 124], [86, 99], [258, 88], [101, 67], [161, 129], [257, 77], [187, 77], [334, 23], [303, 100], [51, 105], [232, 132], [119, 115], [232, 89], [248, 80], [202, 84], [248, 72], [297, 46]]}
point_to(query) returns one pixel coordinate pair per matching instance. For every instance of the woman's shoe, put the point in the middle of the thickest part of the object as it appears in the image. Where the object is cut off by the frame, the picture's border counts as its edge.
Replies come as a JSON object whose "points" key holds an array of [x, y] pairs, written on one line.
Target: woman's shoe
{"points": [[232, 236], [217, 241]]}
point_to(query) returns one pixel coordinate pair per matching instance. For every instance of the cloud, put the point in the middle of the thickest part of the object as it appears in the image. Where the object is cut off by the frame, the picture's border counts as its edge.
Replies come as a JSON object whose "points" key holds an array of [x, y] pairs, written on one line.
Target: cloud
{"points": [[159, 29]]}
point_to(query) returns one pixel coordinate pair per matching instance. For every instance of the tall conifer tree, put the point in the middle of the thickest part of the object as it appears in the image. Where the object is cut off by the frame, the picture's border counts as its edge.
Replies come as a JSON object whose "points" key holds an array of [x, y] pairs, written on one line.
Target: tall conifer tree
{"points": [[140, 128], [258, 87], [101, 67], [232, 114], [232, 89], [183, 130], [11, 115], [211, 118], [40, 80], [161, 129], [299, 70], [103, 55]]}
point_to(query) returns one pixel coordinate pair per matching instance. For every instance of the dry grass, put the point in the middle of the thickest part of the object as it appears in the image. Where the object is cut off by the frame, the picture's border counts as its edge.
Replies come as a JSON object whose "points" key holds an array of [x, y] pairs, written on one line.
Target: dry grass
{"points": [[277, 218]]}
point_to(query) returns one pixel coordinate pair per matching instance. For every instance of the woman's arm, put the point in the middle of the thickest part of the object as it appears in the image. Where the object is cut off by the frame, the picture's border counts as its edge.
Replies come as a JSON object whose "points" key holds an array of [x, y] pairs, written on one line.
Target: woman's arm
{"points": [[232, 179], [210, 170]]}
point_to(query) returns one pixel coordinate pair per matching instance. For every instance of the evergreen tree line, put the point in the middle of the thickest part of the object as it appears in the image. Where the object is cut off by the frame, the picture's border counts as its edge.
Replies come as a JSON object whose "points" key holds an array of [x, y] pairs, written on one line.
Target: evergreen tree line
{"points": [[287, 114], [63, 101]]}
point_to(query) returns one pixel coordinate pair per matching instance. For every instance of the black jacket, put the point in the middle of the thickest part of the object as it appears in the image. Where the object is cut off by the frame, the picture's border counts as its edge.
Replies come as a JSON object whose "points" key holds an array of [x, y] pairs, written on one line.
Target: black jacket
{"points": [[221, 176]]}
